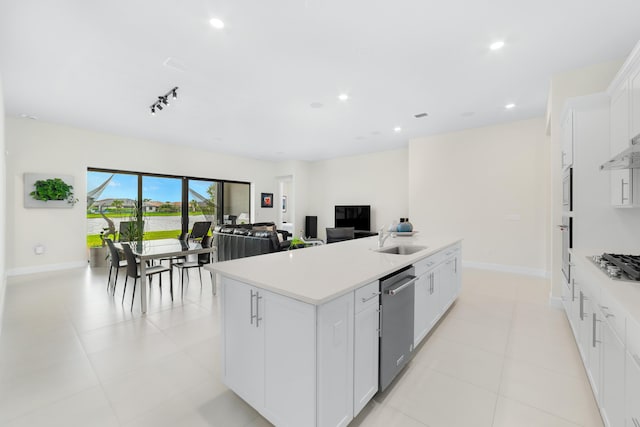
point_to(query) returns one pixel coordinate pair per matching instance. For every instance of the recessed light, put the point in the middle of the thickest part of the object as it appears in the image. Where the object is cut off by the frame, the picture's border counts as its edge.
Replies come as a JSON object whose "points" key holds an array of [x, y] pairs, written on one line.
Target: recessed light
{"points": [[216, 23], [316, 105], [397, 129], [510, 106], [343, 97], [497, 45]]}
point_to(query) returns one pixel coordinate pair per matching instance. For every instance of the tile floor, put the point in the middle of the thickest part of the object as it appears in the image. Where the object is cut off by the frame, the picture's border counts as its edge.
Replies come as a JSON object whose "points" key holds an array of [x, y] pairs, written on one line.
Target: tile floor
{"points": [[72, 356]]}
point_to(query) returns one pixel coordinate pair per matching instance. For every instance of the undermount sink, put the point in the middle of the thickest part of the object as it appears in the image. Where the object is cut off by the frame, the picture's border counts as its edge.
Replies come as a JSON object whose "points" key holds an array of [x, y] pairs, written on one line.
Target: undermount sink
{"points": [[402, 249]]}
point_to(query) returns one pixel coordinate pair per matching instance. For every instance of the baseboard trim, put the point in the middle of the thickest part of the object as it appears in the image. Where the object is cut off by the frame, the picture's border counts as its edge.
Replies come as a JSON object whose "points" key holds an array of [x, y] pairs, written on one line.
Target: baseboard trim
{"points": [[526, 271], [556, 302], [45, 268]]}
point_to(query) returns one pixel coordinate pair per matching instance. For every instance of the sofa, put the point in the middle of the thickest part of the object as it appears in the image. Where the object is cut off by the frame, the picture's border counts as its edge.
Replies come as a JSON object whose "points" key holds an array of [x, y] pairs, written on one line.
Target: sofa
{"points": [[245, 240]]}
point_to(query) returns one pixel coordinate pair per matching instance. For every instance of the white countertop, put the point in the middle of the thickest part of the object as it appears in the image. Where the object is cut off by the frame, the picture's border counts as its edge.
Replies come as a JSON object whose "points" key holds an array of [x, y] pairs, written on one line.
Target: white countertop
{"points": [[627, 294], [318, 274]]}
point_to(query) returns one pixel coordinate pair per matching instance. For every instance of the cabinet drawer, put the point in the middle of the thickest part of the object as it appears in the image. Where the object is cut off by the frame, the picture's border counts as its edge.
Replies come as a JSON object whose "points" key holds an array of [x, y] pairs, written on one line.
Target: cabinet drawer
{"points": [[367, 295], [613, 314]]}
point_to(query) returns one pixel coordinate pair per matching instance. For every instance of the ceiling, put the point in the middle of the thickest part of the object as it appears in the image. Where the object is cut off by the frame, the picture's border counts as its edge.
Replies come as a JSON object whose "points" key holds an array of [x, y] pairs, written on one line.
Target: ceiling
{"points": [[248, 89]]}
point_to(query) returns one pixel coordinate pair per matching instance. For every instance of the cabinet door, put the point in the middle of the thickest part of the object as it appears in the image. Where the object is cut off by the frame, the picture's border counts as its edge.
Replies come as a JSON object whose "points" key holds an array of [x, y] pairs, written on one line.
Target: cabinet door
{"points": [[612, 394], [289, 357], [621, 180], [243, 342], [422, 310], [632, 391], [575, 309], [584, 328], [567, 140], [634, 87], [335, 346], [566, 298], [437, 285], [595, 351], [448, 283], [366, 356]]}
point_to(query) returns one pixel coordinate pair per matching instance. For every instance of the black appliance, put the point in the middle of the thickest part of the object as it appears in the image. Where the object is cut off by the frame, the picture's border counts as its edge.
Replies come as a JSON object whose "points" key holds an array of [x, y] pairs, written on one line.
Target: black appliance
{"points": [[358, 217], [396, 324], [567, 190], [311, 226], [617, 266]]}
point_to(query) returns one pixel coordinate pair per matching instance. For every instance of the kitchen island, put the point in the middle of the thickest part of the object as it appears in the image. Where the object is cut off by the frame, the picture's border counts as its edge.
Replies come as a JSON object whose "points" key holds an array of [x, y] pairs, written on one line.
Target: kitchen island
{"points": [[300, 329]]}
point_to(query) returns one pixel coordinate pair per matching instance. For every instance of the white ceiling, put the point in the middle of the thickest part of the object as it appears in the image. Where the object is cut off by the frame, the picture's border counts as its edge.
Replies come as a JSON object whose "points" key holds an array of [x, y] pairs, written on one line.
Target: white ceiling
{"points": [[247, 89]]}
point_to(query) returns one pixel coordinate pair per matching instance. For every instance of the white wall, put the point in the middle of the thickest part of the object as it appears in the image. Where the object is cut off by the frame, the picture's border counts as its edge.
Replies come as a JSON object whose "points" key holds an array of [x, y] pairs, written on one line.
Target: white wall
{"points": [[3, 210], [50, 148], [489, 186], [593, 79], [377, 179]]}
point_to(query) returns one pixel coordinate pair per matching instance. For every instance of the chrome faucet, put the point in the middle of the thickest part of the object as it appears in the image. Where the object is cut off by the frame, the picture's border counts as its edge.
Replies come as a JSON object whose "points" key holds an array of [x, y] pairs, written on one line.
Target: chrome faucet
{"points": [[382, 237]]}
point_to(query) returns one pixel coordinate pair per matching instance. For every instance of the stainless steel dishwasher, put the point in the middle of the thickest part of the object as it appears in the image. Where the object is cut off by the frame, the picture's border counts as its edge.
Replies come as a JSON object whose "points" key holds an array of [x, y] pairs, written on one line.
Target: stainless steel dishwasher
{"points": [[396, 324]]}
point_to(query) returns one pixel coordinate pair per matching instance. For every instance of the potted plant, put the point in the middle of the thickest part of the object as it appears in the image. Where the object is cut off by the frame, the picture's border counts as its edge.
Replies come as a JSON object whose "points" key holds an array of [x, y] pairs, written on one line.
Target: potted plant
{"points": [[297, 243], [53, 189]]}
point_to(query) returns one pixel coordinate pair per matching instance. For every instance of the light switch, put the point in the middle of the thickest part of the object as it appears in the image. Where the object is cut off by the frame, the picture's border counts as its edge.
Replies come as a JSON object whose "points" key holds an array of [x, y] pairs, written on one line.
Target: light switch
{"points": [[39, 249]]}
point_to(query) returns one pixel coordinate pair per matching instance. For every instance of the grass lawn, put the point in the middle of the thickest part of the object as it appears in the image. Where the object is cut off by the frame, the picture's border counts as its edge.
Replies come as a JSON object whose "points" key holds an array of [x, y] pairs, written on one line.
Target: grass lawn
{"points": [[94, 239], [127, 214]]}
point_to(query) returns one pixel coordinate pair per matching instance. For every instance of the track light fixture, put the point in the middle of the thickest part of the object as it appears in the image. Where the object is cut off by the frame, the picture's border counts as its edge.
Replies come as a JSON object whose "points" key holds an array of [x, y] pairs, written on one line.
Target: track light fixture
{"points": [[163, 100]]}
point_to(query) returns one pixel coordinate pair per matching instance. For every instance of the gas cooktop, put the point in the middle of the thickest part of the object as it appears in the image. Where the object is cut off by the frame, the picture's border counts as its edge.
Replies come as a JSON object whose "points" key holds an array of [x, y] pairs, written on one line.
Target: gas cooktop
{"points": [[621, 267]]}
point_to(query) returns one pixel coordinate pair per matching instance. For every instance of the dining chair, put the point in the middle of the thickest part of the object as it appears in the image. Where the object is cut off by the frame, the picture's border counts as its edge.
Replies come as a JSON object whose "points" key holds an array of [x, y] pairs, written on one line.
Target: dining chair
{"points": [[183, 237], [200, 229], [115, 263], [202, 260], [134, 272], [340, 234]]}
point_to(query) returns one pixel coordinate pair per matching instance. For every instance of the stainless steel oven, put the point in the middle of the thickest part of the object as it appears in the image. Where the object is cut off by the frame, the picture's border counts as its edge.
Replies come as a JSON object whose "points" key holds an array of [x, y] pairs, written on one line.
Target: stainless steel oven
{"points": [[567, 243], [567, 190]]}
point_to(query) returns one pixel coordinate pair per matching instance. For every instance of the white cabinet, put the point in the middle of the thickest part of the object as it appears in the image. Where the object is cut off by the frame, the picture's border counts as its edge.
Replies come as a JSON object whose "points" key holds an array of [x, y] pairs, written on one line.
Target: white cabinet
{"points": [[244, 344], [612, 394], [621, 180], [367, 323], [269, 352], [335, 356], [423, 303], [567, 139], [632, 391], [634, 89], [439, 282]]}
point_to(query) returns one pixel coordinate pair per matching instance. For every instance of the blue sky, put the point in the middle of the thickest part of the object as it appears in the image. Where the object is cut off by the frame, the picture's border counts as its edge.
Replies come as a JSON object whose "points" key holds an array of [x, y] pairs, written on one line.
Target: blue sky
{"points": [[124, 186]]}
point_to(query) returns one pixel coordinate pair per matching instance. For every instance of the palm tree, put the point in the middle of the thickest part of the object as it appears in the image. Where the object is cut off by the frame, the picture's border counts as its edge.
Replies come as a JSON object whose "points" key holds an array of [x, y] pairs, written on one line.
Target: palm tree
{"points": [[117, 204], [194, 205]]}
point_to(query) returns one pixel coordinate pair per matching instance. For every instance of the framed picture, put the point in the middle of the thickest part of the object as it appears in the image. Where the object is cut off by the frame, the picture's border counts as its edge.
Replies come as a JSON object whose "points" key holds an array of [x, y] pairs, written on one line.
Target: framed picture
{"points": [[284, 204], [266, 200]]}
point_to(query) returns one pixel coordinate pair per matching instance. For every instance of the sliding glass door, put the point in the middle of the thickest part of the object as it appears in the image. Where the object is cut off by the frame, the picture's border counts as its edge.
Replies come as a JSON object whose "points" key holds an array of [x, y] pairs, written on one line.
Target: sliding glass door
{"points": [[168, 205]]}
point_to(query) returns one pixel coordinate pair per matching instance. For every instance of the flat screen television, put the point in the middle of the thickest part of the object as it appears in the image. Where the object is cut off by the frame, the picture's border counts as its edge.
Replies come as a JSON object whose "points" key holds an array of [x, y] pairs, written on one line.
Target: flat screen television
{"points": [[358, 217]]}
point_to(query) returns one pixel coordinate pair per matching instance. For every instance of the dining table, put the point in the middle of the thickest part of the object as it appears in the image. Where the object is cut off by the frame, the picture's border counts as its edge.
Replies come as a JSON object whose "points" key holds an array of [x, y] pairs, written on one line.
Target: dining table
{"points": [[148, 250]]}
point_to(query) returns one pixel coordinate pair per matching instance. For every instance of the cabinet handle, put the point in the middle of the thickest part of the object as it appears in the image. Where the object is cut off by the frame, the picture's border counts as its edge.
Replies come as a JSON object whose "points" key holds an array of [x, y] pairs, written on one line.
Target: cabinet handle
{"points": [[622, 190], [595, 321], [373, 295], [431, 281], [573, 290], [253, 316], [258, 318], [380, 321], [582, 298]]}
